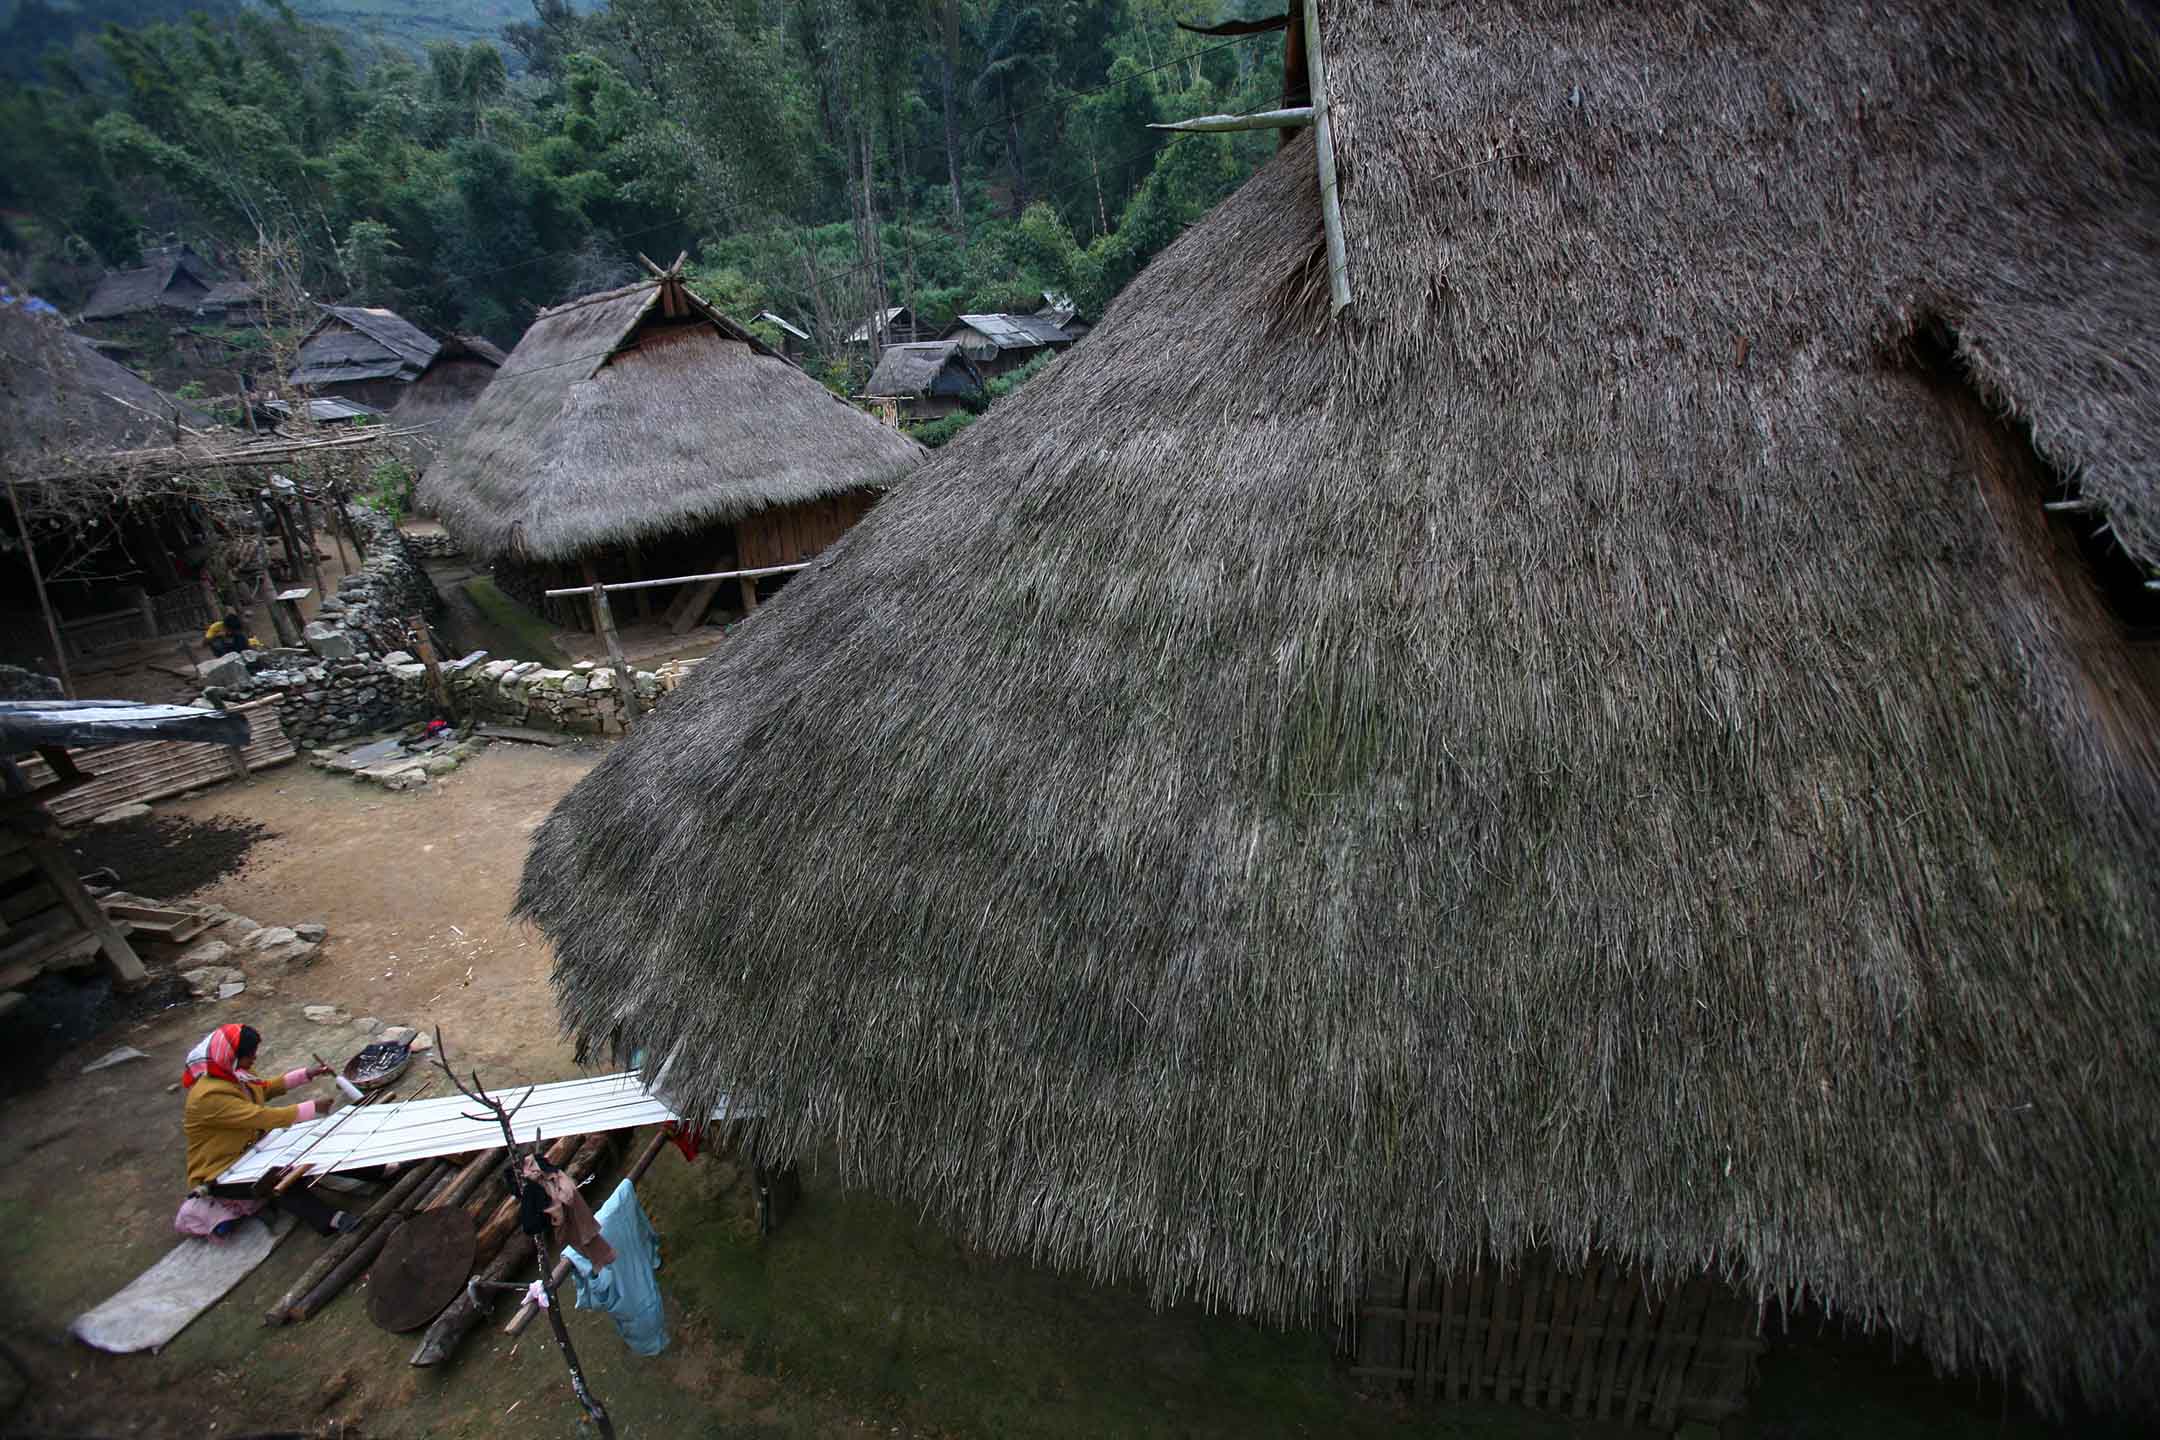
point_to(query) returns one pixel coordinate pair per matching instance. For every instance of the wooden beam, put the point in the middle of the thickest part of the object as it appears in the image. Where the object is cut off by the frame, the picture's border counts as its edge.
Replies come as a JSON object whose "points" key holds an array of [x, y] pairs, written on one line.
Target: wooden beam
{"points": [[424, 642], [755, 572], [625, 677], [1296, 117], [120, 957], [1338, 258], [37, 578]]}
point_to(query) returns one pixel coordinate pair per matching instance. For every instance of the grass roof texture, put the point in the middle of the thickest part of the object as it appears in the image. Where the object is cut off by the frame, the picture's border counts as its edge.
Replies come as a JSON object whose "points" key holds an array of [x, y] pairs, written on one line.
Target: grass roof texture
{"points": [[925, 367], [62, 401], [613, 421], [1587, 749]]}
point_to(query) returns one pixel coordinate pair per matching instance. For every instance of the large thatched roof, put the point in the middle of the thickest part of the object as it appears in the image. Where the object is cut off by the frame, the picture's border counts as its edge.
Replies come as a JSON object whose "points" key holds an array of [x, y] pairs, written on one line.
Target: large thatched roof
{"points": [[61, 400], [626, 415], [1591, 748]]}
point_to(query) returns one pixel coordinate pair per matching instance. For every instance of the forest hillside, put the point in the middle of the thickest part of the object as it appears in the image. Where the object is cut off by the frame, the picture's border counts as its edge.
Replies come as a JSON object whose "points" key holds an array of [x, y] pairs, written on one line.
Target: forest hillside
{"points": [[814, 158]]}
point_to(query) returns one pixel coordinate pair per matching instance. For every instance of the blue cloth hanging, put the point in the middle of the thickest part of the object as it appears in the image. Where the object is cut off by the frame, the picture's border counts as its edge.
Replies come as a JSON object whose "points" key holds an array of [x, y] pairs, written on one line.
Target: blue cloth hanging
{"points": [[627, 1289]]}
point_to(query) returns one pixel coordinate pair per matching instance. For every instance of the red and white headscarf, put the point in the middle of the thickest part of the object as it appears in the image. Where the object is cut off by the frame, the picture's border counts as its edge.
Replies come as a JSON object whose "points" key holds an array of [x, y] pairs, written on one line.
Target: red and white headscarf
{"points": [[218, 1056]]}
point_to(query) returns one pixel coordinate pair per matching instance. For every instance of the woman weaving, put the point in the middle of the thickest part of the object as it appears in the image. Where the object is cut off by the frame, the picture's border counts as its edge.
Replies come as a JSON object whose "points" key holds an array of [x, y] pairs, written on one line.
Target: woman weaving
{"points": [[226, 1112]]}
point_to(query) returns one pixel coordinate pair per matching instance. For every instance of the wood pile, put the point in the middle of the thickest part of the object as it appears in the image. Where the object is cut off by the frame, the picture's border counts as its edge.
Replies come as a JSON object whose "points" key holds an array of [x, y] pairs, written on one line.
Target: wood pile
{"points": [[503, 1250], [154, 769]]}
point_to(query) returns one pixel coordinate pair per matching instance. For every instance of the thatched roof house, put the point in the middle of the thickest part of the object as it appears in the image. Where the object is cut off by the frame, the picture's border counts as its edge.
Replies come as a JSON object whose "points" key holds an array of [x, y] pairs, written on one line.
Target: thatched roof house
{"points": [[641, 428], [364, 353], [437, 401], [171, 278], [929, 378], [1599, 751], [61, 399]]}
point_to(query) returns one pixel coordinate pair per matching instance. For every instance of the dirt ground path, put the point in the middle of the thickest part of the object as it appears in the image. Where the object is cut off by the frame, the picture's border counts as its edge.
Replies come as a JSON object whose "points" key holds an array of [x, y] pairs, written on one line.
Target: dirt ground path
{"points": [[415, 889]]}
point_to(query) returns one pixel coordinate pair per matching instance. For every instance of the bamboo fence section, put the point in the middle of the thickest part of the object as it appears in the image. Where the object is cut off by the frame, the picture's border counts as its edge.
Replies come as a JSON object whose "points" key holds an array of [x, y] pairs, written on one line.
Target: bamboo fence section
{"points": [[1595, 1342], [153, 769]]}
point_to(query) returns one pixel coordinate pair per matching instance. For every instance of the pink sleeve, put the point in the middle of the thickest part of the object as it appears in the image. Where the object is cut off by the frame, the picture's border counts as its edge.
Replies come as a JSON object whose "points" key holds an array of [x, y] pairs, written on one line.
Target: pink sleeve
{"points": [[294, 1079], [306, 1109]]}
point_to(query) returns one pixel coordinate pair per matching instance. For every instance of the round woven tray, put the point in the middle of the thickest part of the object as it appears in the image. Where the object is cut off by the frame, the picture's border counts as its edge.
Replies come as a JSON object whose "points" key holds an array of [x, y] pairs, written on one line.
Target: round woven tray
{"points": [[378, 1064]]}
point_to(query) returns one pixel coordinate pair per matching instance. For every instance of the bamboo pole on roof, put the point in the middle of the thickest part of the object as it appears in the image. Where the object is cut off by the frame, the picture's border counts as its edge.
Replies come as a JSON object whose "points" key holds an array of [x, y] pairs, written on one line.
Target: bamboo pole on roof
{"points": [[1338, 259]]}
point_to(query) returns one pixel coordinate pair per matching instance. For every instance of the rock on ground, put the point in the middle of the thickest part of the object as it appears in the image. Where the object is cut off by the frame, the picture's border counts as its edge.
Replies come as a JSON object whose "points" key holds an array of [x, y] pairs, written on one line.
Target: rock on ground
{"points": [[121, 814], [325, 1014]]}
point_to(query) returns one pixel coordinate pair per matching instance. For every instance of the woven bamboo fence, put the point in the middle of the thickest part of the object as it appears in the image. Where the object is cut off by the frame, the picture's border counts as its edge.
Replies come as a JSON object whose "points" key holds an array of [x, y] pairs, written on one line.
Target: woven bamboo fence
{"points": [[1595, 1342], [153, 769]]}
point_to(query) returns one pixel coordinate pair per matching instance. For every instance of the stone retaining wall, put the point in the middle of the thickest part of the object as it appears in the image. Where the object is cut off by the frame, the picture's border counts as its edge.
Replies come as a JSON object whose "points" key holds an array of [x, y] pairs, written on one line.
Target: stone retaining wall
{"points": [[334, 687], [343, 685], [435, 547]]}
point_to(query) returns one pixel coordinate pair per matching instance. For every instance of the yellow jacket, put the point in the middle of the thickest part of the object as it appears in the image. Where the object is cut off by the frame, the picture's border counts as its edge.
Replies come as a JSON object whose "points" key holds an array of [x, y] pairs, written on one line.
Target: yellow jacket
{"points": [[222, 1119]]}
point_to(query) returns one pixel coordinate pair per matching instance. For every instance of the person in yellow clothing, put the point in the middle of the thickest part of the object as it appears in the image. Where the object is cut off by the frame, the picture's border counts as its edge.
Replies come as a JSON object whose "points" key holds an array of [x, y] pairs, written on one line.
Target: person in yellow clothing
{"points": [[225, 1113]]}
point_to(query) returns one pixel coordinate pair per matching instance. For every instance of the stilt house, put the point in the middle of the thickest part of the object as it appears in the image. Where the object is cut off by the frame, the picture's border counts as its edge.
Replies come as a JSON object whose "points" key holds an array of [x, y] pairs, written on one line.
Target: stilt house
{"points": [[639, 433], [1540, 787]]}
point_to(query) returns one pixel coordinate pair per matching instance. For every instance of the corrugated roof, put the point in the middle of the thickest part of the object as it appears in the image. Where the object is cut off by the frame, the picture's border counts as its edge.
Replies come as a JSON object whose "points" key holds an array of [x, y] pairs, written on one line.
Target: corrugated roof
{"points": [[860, 335], [356, 342], [784, 323], [1013, 332]]}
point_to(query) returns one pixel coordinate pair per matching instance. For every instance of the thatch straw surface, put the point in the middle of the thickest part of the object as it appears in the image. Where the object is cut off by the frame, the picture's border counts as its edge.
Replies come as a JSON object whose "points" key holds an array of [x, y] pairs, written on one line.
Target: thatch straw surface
{"points": [[61, 400], [927, 367], [1592, 749], [611, 423]]}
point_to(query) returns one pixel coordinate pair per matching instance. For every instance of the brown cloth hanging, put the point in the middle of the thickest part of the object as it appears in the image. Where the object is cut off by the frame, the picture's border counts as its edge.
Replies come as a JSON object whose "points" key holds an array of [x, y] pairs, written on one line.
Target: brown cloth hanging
{"points": [[569, 1214]]}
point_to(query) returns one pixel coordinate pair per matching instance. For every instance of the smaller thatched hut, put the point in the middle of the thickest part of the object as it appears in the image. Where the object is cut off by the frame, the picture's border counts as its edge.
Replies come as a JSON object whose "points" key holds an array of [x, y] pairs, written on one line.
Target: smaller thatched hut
{"points": [[363, 353], [171, 277], [639, 433], [437, 401], [926, 380]]}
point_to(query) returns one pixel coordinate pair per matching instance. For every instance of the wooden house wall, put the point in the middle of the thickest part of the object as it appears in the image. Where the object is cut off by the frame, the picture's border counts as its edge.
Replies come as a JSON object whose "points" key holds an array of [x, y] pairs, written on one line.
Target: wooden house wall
{"points": [[787, 534], [1594, 1341]]}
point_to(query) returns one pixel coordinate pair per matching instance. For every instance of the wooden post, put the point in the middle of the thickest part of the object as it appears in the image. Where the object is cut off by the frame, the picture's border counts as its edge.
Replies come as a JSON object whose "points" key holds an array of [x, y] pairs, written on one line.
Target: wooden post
{"points": [[352, 531], [1338, 260], [307, 533], [424, 642], [120, 957], [37, 578], [625, 677]]}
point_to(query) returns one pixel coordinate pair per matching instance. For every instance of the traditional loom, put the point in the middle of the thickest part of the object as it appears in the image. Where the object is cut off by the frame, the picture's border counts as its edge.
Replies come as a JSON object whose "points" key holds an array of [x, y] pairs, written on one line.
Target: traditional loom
{"points": [[359, 1136]]}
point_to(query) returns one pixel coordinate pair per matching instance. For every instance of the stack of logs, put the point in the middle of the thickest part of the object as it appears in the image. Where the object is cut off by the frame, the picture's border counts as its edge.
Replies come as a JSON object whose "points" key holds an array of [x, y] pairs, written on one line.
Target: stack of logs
{"points": [[502, 1252]]}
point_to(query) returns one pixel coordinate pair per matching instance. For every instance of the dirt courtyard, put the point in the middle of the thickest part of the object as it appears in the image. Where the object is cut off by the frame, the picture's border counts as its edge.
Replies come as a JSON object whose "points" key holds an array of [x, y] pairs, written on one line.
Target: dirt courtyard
{"points": [[415, 889]]}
